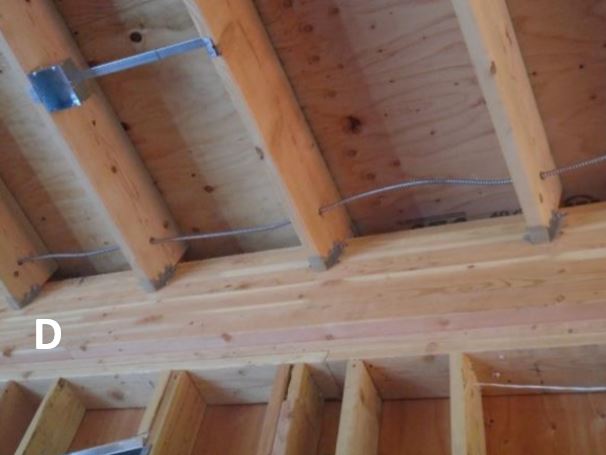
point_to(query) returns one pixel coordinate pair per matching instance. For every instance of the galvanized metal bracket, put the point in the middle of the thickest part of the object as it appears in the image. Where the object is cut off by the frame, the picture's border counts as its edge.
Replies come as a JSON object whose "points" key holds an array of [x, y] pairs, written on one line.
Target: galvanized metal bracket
{"points": [[63, 85], [321, 264], [545, 234], [132, 446]]}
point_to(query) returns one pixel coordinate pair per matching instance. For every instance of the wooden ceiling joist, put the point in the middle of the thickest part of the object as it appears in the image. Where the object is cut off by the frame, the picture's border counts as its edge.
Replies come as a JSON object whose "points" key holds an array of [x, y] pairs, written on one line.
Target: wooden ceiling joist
{"points": [[172, 422], [502, 74], [18, 240], [467, 420], [360, 422], [260, 90], [55, 422], [101, 154]]}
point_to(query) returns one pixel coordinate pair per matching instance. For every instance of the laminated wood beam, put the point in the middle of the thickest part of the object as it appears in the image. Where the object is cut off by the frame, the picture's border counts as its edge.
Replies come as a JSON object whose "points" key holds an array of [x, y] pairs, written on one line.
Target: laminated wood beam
{"points": [[253, 76], [18, 239], [55, 423], [17, 409], [300, 419], [360, 413], [466, 414], [101, 153], [493, 46], [272, 413], [173, 418], [462, 287]]}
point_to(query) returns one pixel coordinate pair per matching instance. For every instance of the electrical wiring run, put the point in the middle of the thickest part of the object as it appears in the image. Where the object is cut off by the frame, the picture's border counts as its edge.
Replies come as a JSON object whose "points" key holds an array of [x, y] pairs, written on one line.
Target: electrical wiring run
{"points": [[215, 235], [411, 183], [179, 238], [75, 255], [544, 388]]}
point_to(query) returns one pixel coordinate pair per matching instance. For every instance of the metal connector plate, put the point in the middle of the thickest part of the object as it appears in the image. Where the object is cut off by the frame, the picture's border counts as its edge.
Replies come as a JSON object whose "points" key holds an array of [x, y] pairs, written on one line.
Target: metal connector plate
{"points": [[58, 87]]}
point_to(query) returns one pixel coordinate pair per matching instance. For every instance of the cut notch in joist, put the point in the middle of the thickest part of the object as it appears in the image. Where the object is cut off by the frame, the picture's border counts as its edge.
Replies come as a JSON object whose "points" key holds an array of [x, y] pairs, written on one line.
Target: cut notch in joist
{"points": [[260, 90], [99, 150], [491, 40]]}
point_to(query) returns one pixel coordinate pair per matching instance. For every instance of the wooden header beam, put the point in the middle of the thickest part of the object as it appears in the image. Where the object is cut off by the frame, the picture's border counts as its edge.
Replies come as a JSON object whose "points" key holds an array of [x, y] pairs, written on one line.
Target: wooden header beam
{"points": [[468, 287], [101, 153], [502, 74], [18, 239], [261, 92]]}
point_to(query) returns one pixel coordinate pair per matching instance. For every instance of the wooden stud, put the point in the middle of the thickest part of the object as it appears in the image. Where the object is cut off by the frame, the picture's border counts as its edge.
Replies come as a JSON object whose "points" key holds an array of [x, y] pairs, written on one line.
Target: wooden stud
{"points": [[17, 409], [18, 239], [101, 153], [173, 418], [360, 413], [272, 413], [262, 93], [466, 414], [502, 74], [55, 423], [300, 419]]}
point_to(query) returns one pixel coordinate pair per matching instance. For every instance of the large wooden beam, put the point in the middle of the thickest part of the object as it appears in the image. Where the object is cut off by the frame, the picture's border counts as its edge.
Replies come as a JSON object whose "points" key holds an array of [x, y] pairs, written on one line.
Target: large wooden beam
{"points": [[470, 287], [466, 414], [502, 74], [262, 93], [18, 239], [101, 153]]}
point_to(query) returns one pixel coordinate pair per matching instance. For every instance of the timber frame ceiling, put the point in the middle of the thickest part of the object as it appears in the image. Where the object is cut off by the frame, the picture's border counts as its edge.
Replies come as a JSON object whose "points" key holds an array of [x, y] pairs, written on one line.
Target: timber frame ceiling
{"points": [[308, 102]]}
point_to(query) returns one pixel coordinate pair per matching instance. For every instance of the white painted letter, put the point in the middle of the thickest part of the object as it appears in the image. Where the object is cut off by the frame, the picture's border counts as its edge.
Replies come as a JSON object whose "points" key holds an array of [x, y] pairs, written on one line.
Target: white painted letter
{"points": [[40, 323]]}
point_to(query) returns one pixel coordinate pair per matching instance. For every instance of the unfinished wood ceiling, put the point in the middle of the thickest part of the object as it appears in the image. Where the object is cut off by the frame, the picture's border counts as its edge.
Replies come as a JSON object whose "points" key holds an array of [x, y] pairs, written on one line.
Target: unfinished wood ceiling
{"points": [[387, 87]]}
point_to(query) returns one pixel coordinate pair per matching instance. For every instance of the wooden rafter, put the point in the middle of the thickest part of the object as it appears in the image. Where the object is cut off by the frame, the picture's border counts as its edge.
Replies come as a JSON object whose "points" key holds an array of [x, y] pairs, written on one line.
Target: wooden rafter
{"points": [[253, 76], [100, 151], [502, 74], [18, 240]]}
